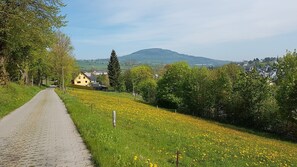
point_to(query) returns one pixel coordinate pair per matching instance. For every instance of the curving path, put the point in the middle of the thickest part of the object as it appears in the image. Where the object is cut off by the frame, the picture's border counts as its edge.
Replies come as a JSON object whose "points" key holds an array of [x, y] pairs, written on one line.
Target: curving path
{"points": [[41, 133]]}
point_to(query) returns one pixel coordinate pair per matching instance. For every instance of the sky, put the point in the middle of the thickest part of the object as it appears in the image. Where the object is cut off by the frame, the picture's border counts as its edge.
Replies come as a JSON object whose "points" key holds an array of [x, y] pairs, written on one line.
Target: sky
{"points": [[219, 29]]}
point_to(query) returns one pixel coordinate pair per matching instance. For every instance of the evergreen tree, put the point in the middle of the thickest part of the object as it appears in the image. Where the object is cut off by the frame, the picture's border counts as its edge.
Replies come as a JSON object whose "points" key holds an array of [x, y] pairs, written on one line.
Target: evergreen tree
{"points": [[114, 71]]}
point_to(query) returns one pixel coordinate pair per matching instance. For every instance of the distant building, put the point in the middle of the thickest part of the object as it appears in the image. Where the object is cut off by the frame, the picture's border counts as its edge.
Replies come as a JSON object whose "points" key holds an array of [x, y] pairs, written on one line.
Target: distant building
{"points": [[84, 79], [99, 73]]}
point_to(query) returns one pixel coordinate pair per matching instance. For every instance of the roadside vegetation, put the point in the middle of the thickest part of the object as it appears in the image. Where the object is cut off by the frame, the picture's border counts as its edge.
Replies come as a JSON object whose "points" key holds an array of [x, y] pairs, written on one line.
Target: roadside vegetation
{"points": [[12, 96], [149, 136]]}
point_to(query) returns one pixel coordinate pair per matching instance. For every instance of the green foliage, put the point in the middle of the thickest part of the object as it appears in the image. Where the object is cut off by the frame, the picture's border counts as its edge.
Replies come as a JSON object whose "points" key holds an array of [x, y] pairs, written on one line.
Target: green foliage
{"points": [[250, 91], [114, 71], [128, 81], [226, 94], [148, 89], [196, 91], [222, 86], [26, 32], [63, 67], [140, 74], [287, 82], [103, 80], [170, 86]]}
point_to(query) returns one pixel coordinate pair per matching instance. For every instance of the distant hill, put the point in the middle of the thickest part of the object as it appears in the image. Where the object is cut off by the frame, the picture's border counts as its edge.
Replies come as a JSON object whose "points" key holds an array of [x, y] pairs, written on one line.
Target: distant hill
{"points": [[153, 57], [164, 56]]}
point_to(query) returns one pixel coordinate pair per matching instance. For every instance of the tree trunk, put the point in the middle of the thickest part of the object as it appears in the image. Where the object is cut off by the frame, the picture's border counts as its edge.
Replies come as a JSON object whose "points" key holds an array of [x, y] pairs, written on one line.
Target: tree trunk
{"points": [[32, 80], [3, 72], [63, 80], [26, 77]]}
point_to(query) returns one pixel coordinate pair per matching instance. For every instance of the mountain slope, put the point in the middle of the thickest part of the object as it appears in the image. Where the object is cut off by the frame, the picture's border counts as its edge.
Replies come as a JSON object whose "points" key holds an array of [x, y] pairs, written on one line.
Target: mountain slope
{"points": [[163, 56]]}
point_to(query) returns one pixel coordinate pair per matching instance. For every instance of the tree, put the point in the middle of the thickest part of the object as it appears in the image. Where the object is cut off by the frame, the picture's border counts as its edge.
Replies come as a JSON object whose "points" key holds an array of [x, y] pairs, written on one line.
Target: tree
{"points": [[148, 89], [139, 74], [103, 80], [197, 95], [223, 83], [170, 86], [128, 80], [250, 92], [222, 91], [287, 83], [63, 63], [114, 71], [26, 27]]}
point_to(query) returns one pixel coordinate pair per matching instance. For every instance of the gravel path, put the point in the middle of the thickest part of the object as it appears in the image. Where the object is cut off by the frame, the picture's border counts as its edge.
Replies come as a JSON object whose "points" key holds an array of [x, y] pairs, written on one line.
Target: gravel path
{"points": [[41, 133]]}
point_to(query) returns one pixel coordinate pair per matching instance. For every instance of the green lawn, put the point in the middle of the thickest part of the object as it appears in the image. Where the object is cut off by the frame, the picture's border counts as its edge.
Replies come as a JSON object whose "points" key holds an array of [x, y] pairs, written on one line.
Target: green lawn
{"points": [[13, 96], [148, 136]]}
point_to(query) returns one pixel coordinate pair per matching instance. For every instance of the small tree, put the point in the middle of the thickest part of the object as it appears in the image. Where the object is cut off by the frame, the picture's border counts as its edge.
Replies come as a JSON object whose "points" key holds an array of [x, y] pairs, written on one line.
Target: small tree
{"points": [[139, 74], [114, 71], [148, 89]]}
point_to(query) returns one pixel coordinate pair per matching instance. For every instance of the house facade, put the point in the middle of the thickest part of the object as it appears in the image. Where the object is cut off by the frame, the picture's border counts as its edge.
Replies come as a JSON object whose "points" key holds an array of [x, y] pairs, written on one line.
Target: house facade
{"points": [[82, 80]]}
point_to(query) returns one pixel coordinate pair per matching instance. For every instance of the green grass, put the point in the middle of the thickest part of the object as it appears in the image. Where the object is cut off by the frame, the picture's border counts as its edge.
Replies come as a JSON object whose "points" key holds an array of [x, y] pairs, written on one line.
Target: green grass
{"points": [[13, 96], [147, 136]]}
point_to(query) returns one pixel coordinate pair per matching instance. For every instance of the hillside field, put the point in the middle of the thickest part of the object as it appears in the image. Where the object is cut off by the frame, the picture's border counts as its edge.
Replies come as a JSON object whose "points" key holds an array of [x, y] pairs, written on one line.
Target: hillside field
{"points": [[13, 96], [149, 136]]}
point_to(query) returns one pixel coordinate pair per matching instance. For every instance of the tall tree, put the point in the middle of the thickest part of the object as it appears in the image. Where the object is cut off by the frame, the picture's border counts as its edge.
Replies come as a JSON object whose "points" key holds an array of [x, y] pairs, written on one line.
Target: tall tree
{"points": [[197, 95], [114, 71], [250, 92], [287, 82], [27, 29], [63, 63]]}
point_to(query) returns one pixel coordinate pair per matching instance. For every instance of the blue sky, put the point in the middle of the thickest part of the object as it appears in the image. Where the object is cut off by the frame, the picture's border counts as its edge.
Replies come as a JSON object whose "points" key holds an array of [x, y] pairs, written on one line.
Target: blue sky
{"points": [[219, 29]]}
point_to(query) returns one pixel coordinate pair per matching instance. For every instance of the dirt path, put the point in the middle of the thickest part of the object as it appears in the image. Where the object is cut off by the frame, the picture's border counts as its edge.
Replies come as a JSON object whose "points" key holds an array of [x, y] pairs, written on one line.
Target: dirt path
{"points": [[41, 133]]}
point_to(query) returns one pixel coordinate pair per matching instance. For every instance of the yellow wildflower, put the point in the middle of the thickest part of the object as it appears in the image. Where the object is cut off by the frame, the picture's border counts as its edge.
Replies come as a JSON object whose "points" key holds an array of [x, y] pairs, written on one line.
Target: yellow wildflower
{"points": [[151, 164]]}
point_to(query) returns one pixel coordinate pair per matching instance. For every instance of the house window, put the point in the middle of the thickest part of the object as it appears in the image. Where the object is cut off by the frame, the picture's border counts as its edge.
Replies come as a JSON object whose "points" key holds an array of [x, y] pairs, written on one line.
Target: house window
{"points": [[78, 77], [78, 82], [86, 81], [84, 77]]}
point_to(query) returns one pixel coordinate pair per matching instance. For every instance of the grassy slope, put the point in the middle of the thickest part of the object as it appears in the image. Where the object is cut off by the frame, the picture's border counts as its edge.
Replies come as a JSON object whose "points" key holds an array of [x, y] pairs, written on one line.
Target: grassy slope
{"points": [[145, 134], [14, 96]]}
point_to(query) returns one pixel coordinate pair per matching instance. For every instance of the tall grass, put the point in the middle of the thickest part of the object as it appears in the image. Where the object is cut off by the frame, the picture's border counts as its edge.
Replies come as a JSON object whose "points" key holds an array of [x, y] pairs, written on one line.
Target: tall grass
{"points": [[147, 136], [13, 96]]}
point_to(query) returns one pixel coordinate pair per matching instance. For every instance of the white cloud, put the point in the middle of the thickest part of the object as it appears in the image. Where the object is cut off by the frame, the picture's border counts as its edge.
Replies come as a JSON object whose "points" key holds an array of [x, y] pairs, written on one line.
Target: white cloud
{"points": [[204, 21], [186, 23]]}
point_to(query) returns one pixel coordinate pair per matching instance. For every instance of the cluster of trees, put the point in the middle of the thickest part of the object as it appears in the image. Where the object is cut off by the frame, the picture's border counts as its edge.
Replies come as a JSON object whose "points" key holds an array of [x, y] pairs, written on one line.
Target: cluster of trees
{"points": [[31, 46], [227, 94]]}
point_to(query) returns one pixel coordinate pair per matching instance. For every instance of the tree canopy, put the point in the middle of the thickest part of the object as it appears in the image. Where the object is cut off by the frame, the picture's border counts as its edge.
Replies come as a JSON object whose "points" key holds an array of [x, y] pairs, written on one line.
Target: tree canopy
{"points": [[27, 30]]}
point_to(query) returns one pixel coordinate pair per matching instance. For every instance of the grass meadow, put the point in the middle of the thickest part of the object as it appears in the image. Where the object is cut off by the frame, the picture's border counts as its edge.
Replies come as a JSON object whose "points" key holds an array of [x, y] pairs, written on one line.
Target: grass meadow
{"points": [[150, 137], [12, 96]]}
